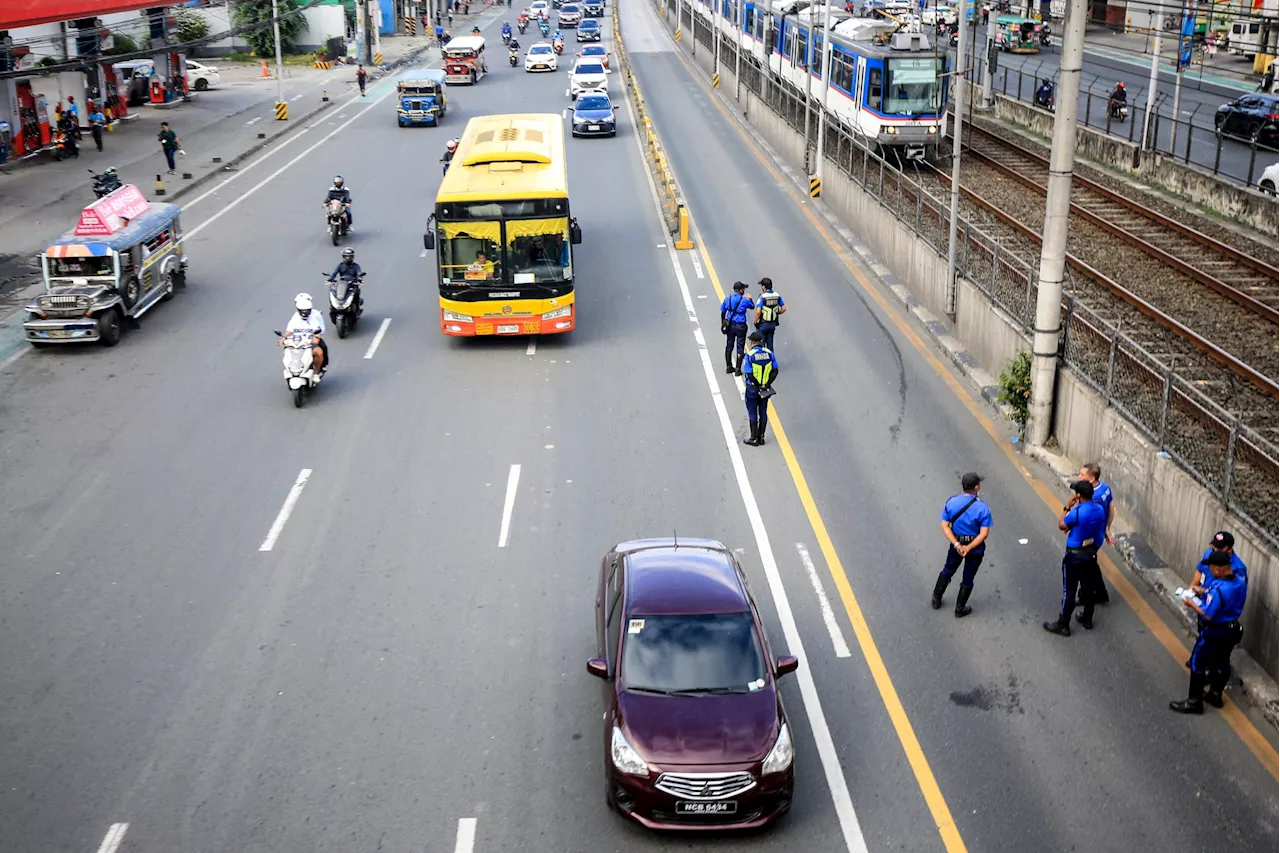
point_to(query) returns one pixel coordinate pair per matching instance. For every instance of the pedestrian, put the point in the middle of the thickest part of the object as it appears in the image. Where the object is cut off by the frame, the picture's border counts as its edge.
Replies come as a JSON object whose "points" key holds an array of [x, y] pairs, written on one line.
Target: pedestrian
{"points": [[466, 7], [1085, 523], [769, 311], [97, 121], [169, 144], [73, 111], [1102, 495], [733, 325], [762, 370], [1218, 605], [362, 77], [966, 523]]}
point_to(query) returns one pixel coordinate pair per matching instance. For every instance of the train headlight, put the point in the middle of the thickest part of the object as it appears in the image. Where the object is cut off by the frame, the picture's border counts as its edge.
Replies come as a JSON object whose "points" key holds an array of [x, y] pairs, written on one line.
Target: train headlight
{"points": [[933, 128]]}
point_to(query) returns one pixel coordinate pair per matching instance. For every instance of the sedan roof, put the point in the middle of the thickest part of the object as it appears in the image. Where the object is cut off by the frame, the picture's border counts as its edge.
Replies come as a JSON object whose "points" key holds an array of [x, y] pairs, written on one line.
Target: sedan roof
{"points": [[669, 579]]}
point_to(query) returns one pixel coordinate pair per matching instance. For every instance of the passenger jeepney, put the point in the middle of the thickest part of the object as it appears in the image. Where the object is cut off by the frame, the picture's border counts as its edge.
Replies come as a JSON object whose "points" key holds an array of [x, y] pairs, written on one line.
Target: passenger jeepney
{"points": [[122, 259], [421, 98], [464, 60], [1017, 34]]}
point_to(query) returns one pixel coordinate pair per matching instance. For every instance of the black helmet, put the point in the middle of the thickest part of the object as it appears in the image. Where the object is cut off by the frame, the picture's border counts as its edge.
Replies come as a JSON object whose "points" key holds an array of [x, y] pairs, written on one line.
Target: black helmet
{"points": [[337, 181]]}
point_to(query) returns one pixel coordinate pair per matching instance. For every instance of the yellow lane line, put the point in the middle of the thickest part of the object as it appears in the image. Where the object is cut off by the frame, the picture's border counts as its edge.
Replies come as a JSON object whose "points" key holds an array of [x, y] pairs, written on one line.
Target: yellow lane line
{"points": [[1244, 728]]}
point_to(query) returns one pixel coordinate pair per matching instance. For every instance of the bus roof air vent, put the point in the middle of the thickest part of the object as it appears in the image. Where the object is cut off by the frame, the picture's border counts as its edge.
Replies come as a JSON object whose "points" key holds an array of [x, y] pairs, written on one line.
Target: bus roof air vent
{"points": [[513, 141]]}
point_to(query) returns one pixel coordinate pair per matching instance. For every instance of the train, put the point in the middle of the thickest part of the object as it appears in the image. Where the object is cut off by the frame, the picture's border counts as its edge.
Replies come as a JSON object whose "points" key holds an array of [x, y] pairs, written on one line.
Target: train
{"points": [[887, 84]]}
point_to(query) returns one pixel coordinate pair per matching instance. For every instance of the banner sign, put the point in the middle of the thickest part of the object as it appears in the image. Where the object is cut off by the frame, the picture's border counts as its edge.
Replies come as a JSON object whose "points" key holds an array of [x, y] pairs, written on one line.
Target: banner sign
{"points": [[110, 213]]}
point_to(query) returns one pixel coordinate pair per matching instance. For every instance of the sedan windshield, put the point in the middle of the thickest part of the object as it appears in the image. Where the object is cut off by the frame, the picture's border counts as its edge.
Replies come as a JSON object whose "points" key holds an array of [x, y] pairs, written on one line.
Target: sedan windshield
{"points": [[589, 68], [540, 48], [593, 102], [709, 653]]}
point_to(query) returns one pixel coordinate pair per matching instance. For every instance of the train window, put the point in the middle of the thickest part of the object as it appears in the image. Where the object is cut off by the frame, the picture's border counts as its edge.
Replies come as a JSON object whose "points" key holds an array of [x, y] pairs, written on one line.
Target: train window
{"points": [[817, 55], [842, 72], [802, 49], [750, 22], [873, 88]]}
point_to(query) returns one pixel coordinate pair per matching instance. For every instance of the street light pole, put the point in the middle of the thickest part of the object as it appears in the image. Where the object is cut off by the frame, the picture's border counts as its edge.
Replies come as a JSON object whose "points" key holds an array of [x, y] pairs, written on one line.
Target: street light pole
{"points": [[715, 37], [275, 25], [825, 82], [1154, 82], [1053, 251], [958, 76], [737, 50]]}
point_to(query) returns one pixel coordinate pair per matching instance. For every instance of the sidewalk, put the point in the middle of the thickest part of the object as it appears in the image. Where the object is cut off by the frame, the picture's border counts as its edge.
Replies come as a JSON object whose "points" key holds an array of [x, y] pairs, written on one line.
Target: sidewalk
{"points": [[42, 198], [1224, 70]]}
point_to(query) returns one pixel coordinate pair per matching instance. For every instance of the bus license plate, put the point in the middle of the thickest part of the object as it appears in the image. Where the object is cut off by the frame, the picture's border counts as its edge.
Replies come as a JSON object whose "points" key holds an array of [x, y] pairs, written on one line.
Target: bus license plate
{"points": [[509, 330]]}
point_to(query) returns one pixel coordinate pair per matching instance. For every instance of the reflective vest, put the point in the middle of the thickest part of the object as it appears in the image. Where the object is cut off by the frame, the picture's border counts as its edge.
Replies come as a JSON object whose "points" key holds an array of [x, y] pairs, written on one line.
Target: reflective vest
{"points": [[769, 304], [760, 361]]}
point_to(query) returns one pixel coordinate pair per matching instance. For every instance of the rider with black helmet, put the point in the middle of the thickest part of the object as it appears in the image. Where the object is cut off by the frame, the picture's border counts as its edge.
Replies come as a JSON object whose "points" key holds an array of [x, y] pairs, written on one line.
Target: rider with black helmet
{"points": [[340, 192]]}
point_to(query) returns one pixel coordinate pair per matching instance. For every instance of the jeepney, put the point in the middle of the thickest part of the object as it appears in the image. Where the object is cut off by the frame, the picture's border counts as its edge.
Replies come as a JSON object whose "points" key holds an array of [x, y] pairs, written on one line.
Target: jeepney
{"points": [[464, 60], [122, 259], [421, 98], [1017, 35]]}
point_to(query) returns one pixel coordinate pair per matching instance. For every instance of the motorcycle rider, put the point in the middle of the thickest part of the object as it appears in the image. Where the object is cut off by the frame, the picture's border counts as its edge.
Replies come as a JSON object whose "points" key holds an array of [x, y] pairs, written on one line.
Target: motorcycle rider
{"points": [[557, 42], [1044, 94], [340, 192], [305, 319], [506, 31], [513, 50], [450, 148], [349, 271], [1119, 97]]}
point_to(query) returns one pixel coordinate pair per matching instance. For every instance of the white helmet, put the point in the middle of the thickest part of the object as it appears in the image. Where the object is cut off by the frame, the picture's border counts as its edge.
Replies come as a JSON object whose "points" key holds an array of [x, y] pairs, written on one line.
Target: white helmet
{"points": [[302, 302]]}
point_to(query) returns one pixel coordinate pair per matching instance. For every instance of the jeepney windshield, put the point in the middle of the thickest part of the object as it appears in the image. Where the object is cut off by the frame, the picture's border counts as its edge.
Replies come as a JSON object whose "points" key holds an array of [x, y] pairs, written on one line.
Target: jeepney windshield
{"points": [[81, 267], [418, 89], [460, 53]]}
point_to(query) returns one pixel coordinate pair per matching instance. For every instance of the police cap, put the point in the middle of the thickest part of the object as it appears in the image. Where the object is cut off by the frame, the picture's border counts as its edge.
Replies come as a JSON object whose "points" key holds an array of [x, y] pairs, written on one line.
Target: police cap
{"points": [[1219, 558], [1083, 488], [739, 286], [755, 336], [766, 282], [970, 480], [1223, 539]]}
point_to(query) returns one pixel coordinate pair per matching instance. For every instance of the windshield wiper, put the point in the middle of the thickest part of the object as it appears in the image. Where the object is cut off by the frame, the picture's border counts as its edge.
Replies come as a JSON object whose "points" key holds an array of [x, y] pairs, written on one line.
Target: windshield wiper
{"points": [[656, 691], [708, 691]]}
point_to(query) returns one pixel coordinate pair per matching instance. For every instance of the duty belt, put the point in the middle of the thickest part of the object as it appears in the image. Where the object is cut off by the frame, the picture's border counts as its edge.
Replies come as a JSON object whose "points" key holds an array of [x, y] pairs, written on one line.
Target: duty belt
{"points": [[965, 540]]}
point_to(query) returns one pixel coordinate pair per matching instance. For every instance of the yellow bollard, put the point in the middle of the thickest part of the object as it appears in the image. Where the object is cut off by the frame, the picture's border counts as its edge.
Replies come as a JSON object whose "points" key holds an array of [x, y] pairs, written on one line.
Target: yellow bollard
{"points": [[683, 242], [282, 110], [815, 186], [715, 81], [159, 186]]}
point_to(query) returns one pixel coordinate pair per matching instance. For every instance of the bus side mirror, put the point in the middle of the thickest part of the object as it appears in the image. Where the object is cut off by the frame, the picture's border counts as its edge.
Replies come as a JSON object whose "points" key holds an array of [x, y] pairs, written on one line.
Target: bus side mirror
{"points": [[575, 232], [429, 241]]}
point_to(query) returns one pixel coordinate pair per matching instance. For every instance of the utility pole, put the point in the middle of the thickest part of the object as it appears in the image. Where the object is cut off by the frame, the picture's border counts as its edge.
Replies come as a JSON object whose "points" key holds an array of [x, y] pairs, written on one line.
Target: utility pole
{"points": [[359, 27], [825, 82], [808, 91], [275, 25], [715, 38], [1184, 48], [368, 32], [737, 51], [988, 65], [1053, 250], [1154, 82], [959, 83]]}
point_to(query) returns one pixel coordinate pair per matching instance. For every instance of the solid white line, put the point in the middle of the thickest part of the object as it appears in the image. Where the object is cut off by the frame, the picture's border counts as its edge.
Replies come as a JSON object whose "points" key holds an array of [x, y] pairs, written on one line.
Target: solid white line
{"points": [[114, 836], [533, 346], [836, 783], [513, 479], [697, 265], [286, 510], [466, 842], [829, 617], [253, 121], [377, 339]]}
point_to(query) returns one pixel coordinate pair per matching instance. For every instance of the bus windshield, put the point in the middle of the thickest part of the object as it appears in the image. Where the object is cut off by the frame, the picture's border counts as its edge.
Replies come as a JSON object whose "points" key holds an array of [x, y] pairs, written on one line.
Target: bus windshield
{"points": [[536, 251], [912, 87]]}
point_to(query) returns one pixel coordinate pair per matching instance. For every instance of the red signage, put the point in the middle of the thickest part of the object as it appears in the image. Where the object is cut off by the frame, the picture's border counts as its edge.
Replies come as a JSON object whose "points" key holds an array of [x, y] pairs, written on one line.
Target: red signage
{"points": [[110, 213], [25, 13]]}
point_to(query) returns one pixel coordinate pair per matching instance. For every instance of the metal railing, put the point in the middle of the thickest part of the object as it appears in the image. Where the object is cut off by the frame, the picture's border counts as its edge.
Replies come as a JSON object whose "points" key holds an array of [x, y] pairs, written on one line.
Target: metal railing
{"points": [[1236, 464]]}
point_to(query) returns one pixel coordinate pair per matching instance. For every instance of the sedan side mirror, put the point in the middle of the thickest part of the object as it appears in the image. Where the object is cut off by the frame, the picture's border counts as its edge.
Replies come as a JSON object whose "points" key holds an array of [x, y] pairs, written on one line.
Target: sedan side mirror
{"points": [[598, 667], [786, 664], [429, 241]]}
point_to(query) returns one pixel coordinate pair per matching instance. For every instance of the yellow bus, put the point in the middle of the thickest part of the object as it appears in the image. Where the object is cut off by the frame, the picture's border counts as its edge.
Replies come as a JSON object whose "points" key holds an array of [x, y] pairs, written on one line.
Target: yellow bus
{"points": [[502, 232]]}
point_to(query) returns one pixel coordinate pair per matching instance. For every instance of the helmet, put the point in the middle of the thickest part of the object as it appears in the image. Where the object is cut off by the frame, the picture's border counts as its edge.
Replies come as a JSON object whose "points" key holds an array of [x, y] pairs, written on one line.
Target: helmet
{"points": [[303, 303], [348, 254], [337, 181], [451, 145], [1120, 85]]}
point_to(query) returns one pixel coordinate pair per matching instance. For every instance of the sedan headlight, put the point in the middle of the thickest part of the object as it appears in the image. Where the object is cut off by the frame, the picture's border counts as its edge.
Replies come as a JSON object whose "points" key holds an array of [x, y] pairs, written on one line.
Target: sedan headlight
{"points": [[625, 758], [559, 312], [456, 318], [780, 757], [579, 120]]}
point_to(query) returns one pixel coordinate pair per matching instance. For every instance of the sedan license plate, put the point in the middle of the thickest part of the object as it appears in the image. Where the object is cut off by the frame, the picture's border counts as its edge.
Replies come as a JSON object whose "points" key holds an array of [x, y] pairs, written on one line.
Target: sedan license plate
{"points": [[593, 127], [707, 808], [509, 330]]}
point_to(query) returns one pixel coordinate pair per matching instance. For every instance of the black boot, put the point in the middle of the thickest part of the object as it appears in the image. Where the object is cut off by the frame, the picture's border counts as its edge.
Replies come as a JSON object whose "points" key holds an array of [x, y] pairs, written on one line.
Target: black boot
{"points": [[737, 367], [1056, 627], [962, 601], [764, 424], [728, 361], [1217, 683], [754, 438], [1194, 703], [939, 588]]}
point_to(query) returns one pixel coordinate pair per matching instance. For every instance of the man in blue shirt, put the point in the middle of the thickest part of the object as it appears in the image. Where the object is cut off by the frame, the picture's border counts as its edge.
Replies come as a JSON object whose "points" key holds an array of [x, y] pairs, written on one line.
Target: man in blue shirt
{"points": [[1085, 523], [769, 310], [97, 121], [966, 522], [1225, 542], [762, 370], [1220, 603], [1091, 472], [733, 324]]}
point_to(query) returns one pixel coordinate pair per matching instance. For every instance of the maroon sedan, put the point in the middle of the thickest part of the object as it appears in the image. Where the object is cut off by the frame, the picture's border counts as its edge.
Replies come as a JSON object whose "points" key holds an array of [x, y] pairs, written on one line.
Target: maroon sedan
{"points": [[695, 736]]}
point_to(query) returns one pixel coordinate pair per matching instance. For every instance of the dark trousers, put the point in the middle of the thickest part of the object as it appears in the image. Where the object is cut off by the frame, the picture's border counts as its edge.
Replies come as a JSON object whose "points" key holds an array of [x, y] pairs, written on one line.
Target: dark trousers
{"points": [[757, 409], [766, 331], [168, 155], [1076, 568], [96, 130], [734, 339], [324, 348], [1092, 587], [972, 561], [1211, 655]]}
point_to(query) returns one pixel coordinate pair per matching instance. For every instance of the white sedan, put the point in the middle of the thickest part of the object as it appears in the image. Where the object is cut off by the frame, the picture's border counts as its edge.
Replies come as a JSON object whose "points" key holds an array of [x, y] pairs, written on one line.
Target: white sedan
{"points": [[201, 76], [541, 57], [588, 76]]}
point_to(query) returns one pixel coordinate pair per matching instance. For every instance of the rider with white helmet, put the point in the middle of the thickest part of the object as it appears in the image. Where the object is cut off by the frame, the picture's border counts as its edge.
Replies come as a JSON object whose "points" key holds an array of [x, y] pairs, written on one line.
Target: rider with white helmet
{"points": [[307, 319]]}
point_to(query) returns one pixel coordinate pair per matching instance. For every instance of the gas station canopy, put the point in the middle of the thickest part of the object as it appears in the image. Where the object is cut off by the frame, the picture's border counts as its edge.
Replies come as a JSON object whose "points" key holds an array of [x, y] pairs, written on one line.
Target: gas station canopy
{"points": [[26, 13]]}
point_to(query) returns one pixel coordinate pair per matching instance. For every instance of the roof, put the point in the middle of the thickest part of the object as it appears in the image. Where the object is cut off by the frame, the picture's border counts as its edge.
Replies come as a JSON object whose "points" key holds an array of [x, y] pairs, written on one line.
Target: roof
{"points": [[15, 14], [160, 214], [435, 74], [508, 157], [465, 43], [668, 578]]}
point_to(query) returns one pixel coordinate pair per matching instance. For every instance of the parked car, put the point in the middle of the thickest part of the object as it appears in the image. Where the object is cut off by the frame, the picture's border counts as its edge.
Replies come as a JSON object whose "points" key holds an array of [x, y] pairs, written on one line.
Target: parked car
{"points": [[200, 76], [695, 735], [1270, 179], [1252, 117]]}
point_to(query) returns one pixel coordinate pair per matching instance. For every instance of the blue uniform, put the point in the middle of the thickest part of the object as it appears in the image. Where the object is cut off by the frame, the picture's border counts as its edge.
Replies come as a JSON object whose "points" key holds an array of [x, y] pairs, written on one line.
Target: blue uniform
{"points": [[770, 315], [759, 371], [1237, 566], [733, 316], [1220, 631], [1086, 531], [967, 517]]}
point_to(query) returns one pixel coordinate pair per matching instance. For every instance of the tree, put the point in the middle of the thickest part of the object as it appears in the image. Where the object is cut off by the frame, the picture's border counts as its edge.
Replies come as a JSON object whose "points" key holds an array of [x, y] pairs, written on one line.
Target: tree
{"points": [[192, 26], [262, 40]]}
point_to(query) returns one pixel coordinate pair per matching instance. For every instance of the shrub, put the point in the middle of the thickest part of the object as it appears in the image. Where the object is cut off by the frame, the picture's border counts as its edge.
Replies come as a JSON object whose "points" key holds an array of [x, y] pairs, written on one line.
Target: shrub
{"points": [[262, 40], [1015, 388], [192, 26]]}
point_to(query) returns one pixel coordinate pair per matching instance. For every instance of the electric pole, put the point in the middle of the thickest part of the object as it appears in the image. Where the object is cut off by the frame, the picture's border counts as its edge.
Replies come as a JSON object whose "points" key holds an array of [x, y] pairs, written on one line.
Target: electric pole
{"points": [[825, 82], [988, 67], [275, 25], [959, 83], [1154, 82], [1057, 209]]}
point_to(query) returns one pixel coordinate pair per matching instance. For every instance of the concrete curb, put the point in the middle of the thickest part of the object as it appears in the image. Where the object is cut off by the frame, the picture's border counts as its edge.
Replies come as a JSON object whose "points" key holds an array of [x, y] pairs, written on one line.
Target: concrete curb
{"points": [[1256, 686]]}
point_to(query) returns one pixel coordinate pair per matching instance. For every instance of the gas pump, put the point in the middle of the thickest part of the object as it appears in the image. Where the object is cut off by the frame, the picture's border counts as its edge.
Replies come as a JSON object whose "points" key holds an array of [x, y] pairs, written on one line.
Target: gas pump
{"points": [[113, 106]]}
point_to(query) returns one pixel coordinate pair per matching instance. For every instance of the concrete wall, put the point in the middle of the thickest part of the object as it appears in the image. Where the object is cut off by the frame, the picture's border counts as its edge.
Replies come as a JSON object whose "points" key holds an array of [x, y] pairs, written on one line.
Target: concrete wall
{"points": [[1154, 496]]}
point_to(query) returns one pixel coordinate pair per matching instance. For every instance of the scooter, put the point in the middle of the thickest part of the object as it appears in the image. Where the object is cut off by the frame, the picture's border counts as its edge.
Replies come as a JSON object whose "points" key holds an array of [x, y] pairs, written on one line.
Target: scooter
{"points": [[106, 183], [523, 25], [299, 368], [1118, 110], [514, 56], [63, 145], [336, 212], [558, 46], [544, 27], [506, 36], [345, 304]]}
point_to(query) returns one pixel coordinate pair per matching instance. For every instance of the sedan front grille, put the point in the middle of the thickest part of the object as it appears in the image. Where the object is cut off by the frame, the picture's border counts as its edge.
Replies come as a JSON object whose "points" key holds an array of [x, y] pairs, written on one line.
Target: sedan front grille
{"points": [[705, 786]]}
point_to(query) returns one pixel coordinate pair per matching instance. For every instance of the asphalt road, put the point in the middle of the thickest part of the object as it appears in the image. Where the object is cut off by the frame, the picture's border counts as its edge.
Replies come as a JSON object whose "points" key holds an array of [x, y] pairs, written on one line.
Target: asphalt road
{"points": [[387, 670]]}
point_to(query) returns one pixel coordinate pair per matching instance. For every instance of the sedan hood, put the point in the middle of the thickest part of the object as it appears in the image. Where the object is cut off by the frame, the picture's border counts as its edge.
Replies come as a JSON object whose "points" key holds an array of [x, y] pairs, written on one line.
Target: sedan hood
{"points": [[732, 729], [594, 115]]}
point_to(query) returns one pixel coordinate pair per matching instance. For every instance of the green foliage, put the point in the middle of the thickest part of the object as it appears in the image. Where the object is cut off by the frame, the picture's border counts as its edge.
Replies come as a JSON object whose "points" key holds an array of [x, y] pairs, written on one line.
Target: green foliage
{"points": [[192, 26], [1015, 387], [122, 44], [262, 40]]}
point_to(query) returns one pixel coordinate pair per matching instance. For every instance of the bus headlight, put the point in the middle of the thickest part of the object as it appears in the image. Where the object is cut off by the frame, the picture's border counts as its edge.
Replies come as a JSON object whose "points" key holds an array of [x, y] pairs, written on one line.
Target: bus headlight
{"points": [[449, 316], [559, 312]]}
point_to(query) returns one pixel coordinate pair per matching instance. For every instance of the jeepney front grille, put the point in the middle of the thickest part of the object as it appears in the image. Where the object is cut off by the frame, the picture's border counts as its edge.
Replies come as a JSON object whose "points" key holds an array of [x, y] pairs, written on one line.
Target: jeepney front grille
{"points": [[63, 305]]}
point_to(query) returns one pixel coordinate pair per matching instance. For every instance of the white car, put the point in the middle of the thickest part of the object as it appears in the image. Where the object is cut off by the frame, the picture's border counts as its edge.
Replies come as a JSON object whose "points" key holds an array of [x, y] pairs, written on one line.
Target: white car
{"points": [[1270, 179], [540, 9], [588, 75], [541, 57], [201, 76], [934, 15]]}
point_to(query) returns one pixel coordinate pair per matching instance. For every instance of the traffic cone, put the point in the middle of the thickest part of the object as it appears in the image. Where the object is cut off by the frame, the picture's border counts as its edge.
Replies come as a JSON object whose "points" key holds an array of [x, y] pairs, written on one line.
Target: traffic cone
{"points": [[265, 73]]}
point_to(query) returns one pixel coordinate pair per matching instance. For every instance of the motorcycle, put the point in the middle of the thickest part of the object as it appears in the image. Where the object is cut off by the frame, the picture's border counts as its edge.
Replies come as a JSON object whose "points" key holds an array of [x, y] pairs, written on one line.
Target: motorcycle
{"points": [[1044, 35], [1118, 110], [446, 162], [544, 27], [345, 305], [558, 46], [106, 183], [523, 25], [336, 212], [62, 145], [514, 56], [506, 36], [299, 368]]}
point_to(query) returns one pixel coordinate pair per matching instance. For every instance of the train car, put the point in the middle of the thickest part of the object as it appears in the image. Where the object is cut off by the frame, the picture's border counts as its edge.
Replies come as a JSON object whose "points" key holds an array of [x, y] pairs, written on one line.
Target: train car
{"points": [[888, 86]]}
